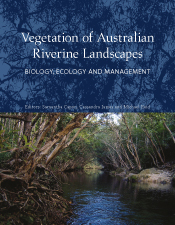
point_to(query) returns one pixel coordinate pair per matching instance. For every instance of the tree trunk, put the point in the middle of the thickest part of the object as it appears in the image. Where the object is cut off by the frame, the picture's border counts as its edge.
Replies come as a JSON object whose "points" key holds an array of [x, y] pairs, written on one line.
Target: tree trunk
{"points": [[61, 140], [136, 157]]}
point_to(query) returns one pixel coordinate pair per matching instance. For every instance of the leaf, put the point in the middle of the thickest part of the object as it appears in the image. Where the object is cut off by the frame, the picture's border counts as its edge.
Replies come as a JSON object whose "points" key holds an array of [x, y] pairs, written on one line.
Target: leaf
{"points": [[25, 139], [2, 131], [31, 149]]}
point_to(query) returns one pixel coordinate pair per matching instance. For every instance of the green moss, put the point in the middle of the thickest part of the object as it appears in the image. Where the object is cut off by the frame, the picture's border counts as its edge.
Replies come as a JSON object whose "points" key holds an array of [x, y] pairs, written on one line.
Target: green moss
{"points": [[133, 178]]}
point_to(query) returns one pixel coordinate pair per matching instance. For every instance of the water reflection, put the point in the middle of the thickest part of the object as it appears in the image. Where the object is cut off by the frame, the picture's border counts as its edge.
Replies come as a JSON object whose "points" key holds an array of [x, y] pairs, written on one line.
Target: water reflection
{"points": [[101, 199]]}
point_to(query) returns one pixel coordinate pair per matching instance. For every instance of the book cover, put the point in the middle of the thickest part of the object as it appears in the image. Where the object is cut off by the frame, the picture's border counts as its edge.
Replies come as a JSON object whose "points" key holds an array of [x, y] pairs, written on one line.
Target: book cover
{"points": [[93, 59]]}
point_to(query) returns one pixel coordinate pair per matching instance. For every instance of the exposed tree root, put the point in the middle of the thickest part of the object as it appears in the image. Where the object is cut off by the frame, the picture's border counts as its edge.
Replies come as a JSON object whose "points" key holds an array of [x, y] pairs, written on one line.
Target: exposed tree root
{"points": [[37, 202]]}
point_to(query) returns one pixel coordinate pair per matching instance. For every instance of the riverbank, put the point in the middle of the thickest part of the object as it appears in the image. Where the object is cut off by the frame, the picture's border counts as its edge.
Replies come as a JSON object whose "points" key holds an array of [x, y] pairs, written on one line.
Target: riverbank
{"points": [[151, 175], [36, 202]]}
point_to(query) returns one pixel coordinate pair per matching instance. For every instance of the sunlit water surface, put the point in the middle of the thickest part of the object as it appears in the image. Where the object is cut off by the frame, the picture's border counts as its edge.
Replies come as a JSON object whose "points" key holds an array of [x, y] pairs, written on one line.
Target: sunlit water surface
{"points": [[101, 199]]}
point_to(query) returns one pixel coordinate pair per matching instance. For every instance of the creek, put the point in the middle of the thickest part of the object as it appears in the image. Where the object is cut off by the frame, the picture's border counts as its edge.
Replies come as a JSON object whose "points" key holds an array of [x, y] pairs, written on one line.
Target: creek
{"points": [[99, 199]]}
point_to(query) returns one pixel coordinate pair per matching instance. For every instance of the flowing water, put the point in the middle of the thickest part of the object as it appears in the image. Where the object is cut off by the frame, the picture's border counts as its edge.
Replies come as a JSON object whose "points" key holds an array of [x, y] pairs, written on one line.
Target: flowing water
{"points": [[101, 199]]}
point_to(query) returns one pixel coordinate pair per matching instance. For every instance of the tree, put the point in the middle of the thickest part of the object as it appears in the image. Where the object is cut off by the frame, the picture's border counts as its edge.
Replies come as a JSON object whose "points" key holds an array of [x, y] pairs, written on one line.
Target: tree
{"points": [[140, 140], [48, 140]]}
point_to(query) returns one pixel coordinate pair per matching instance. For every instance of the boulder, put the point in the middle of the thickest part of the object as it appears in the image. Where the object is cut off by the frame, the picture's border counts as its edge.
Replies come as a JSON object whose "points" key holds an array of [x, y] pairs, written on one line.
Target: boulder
{"points": [[152, 175]]}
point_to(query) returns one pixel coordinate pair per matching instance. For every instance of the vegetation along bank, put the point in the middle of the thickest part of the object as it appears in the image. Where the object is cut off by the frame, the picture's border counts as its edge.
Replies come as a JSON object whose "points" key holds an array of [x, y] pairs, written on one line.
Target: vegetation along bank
{"points": [[36, 147]]}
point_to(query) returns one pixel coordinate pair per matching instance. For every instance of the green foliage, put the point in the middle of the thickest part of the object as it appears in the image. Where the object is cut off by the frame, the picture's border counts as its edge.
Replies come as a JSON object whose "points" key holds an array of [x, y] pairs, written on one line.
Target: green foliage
{"points": [[29, 145], [8, 136], [65, 119], [104, 139], [4, 144], [148, 134], [4, 156], [2, 140], [93, 164], [85, 148]]}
